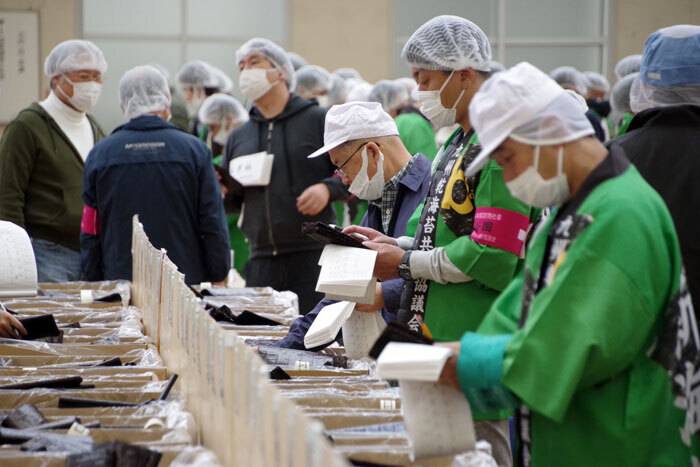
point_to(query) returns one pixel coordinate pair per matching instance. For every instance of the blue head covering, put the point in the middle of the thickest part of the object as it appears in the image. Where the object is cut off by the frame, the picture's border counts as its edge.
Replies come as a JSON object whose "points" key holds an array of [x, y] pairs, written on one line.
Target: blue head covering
{"points": [[672, 57]]}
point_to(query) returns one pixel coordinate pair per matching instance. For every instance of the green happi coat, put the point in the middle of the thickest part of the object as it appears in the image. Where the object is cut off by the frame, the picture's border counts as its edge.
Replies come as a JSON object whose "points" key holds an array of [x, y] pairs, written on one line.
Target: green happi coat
{"points": [[452, 309], [583, 341]]}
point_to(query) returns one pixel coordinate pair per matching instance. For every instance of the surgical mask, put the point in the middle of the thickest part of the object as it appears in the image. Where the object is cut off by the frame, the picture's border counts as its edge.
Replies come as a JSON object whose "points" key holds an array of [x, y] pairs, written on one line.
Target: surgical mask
{"points": [[253, 83], [222, 135], [85, 94], [362, 186], [431, 106], [323, 101], [533, 190], [196, 102]]}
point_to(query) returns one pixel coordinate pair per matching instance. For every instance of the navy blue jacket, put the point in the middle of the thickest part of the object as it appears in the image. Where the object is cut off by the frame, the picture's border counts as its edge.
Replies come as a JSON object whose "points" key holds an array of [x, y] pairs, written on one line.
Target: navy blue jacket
{"points": [[271, 221], [152, 168], [413, 189]]}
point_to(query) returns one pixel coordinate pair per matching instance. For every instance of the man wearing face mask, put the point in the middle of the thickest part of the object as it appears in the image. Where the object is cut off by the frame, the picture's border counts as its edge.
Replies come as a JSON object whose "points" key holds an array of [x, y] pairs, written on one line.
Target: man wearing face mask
{"points": [[150, 167], [362, 141], [198, 80], [221, 114], [300, 189], [595, 341], [314, 82], [470, 230], [598, 100], [415, 130], [42, 154]]}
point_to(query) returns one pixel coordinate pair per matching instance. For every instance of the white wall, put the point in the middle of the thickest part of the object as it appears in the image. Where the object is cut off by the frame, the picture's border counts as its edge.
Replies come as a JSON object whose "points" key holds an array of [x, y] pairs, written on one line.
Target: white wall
{"points": [[172, 32], [365, 34]]}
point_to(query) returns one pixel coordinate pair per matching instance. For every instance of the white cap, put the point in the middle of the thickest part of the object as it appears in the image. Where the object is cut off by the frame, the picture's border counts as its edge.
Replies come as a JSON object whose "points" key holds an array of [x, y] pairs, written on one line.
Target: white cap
{"points": [[355, 120], [524, 102]]}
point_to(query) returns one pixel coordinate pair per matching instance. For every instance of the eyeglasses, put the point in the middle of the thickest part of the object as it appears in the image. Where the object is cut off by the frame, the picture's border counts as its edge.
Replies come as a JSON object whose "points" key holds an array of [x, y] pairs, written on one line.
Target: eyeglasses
{"points": [[339, 170]]}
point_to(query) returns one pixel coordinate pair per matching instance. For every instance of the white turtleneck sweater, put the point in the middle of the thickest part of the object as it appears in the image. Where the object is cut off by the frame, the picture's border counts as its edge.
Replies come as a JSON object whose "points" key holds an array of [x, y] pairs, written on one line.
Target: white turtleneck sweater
{"points": [[74, 124]]}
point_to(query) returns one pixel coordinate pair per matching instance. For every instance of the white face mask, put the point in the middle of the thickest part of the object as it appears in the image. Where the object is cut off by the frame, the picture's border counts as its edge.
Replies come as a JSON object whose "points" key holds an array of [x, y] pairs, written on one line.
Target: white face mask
{"points": [[222, 135], [362, 186], [85, 94], [323, 101], [431, 106], [195, 103], [253, 83], [533, 190]]}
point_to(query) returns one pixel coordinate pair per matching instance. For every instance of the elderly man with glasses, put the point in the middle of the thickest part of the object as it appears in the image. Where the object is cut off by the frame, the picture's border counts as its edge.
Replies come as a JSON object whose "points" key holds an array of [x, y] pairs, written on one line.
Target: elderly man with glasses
{"points": [[363, 142]]}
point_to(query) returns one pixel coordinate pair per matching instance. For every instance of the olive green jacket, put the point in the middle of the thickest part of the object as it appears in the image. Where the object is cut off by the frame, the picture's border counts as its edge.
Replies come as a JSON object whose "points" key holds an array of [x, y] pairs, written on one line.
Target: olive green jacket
{"points": [[41, 177]]}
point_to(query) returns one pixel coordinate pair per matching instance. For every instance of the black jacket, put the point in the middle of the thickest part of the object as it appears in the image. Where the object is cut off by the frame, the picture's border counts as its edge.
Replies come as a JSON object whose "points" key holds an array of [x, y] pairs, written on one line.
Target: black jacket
{"points": [[152, 168], [664, 144], [271, 221]]}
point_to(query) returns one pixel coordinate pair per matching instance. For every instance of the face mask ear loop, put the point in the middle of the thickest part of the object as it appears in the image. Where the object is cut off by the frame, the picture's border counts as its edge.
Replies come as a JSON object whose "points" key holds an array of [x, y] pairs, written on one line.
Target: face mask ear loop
{"points": [[365, 162], [443, 87], [446, 81], [537, 157], [380, 162], [458, 99]]}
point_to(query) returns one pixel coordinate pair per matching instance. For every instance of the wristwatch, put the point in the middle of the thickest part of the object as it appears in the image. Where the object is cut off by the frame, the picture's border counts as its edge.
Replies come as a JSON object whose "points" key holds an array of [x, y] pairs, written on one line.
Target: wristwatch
{"points": [[404, 268]]}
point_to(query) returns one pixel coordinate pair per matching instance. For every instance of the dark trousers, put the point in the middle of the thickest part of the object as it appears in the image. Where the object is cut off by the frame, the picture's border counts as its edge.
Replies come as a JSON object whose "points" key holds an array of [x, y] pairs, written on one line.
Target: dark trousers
{"points": [[297, 272]]}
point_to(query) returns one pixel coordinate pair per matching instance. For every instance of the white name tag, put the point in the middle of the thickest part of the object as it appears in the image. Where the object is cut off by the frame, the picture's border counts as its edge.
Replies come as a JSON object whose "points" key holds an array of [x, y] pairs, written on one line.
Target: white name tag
{"points": [[252, 170]]}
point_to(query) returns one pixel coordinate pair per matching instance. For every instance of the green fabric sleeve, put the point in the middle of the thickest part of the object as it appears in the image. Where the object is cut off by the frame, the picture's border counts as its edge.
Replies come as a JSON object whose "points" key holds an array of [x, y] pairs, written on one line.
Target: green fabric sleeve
{"points": [[583, 329], [413, 222], [504, 314], [479, 369], [417, 135], [488, 265], [17, 157]]}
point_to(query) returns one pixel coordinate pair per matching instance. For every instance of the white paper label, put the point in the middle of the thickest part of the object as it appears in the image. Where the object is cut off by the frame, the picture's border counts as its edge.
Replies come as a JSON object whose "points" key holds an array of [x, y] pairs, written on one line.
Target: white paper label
{"points": [[387, 404], [86, 296], [301, 365]]}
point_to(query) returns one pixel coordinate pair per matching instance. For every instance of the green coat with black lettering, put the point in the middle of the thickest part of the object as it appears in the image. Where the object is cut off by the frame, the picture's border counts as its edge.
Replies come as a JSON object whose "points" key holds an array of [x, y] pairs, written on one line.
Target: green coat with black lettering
{"points": [[453, 309], [585, 362]]}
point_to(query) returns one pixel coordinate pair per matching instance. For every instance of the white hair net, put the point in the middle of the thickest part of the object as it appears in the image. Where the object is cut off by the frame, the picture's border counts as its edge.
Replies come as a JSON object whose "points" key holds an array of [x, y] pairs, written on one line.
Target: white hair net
{"points": [[216, 107], [312, 81], [347, 73], [74, 55], [142, 90], [359, 92], [645, 96], [620, 94], [629, 64], [561, 121], [274, 53], [570, 77], [448, 43], [597, 82], [339, 90], [390, 94], [496, 67], [164, 71], [223, 81], [579, 98], [196, 73], [297, 60], [409, 85]]}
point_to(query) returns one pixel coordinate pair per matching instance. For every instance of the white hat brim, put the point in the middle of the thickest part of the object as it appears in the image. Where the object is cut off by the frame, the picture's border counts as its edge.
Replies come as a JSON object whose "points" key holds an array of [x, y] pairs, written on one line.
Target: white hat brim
{"points": [[321, 151]]}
